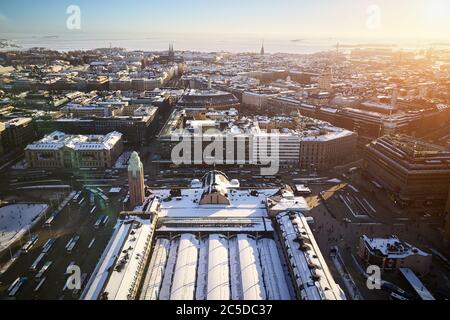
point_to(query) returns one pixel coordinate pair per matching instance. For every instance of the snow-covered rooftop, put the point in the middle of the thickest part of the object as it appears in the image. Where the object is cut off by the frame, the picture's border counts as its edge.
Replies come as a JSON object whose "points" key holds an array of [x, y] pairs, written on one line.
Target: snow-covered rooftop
{"points": [[58, 140], [392, 247]]}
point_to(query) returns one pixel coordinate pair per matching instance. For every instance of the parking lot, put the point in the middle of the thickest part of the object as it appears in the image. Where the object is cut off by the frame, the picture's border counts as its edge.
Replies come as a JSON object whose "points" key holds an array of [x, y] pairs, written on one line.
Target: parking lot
{"points": [[74, 220]]}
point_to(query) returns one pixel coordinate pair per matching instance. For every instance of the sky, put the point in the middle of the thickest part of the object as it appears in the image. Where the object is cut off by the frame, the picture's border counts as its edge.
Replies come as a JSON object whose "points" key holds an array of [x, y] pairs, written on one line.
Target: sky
{"points": [[363, 19]]}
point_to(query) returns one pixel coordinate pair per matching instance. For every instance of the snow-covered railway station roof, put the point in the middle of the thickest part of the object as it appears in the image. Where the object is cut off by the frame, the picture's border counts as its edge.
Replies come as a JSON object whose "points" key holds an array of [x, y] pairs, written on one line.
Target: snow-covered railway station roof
{"points": [[215, 241], [242, 203], [130, 262], [122, 263], [58, 140], [313, 278], [216, 267]]}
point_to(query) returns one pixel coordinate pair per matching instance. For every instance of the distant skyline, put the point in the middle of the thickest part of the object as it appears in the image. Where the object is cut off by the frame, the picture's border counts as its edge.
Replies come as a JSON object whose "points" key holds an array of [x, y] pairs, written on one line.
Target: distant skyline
{"points": [[362, 19]]}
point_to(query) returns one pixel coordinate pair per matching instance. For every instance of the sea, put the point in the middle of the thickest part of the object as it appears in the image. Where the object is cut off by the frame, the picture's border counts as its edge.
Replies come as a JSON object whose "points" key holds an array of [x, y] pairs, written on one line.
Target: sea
{"points": [[206, 43]]}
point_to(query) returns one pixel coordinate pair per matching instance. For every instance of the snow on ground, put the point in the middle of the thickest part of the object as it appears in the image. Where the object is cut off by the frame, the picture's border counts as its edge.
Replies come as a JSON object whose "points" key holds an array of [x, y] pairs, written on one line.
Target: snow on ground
{"points": [[16, 219], [122, 161]]}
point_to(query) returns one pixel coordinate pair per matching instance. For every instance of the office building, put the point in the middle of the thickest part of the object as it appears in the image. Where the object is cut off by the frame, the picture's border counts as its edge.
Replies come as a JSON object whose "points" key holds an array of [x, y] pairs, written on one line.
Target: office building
{"points": [[391, 254], [62, 151], [415, 173], [297, 142], [136, 126], [17, 133], [208, 98]]}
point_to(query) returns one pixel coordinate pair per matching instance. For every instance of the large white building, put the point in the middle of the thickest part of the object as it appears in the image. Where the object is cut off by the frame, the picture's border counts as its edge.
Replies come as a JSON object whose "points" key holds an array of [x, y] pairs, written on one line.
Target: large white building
{"points": [[214, 241], [62, 151], [293, 142]]}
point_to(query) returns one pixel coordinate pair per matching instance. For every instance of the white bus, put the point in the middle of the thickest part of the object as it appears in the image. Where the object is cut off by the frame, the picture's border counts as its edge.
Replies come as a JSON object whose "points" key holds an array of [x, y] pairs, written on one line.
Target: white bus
{"points": [[15, 286], [30, 243], [91, 243], [48, 223], [72, 243], [48, 245], [36, 262], [101, 221], [92, 199], [77, 195], [40, 284], [43, 269]]}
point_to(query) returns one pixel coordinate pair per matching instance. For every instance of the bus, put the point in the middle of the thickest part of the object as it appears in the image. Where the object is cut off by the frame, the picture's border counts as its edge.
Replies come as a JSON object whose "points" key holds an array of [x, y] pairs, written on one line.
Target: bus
{"points": [[40, 284], [101, 221], [91, 243], [76, 197], [36, 262], [43, 269], [48, 223], [30, 243], [81, 202], [72, 243], [92, 199], [48, 245], [16, 285]]}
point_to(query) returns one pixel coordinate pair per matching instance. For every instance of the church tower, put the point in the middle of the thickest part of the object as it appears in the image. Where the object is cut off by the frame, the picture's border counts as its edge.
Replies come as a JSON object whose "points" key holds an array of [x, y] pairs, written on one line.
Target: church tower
{"points": [[171, 52]]}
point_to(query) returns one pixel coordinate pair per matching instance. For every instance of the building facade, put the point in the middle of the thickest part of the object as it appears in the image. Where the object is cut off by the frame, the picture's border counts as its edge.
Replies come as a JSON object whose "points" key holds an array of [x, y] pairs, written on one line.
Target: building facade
{"points": [[136, 128], [292, 142], [208, 98], [327, 151], [415, 173], [391, 254], [61, 151], [17, 133]]}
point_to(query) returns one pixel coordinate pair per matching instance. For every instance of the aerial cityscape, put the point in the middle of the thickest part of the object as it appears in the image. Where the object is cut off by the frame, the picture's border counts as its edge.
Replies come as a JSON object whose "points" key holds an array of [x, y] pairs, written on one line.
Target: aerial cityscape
{"points": [[264, 158]]}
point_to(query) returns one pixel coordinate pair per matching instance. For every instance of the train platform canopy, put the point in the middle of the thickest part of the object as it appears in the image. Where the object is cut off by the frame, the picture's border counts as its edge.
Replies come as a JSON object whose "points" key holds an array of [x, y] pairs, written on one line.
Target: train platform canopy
{"points": [[417, 285]]}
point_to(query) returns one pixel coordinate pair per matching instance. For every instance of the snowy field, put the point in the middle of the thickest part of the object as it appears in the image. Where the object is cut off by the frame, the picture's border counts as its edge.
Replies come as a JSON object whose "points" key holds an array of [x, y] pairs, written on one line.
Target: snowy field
{"points": [[15, 220]]}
